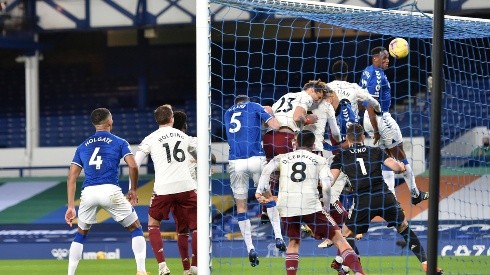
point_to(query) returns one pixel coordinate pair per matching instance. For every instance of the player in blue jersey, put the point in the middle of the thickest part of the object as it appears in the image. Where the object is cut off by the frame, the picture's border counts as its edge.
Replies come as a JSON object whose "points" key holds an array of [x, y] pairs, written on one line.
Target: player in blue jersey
{"points": [[243, 122], [99, 156], [387, 132]]}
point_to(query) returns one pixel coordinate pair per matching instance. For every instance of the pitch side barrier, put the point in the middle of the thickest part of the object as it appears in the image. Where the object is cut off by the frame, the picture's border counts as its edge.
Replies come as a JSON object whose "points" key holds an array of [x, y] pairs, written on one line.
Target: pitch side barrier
{"points": [[456, 238]]}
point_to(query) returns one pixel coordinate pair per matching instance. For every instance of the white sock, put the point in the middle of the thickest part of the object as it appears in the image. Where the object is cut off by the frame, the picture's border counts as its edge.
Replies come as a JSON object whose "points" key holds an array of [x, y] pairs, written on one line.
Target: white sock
{"points": [[138, 244], [76, 250], [410, 179], [389, 177], [275, 221], [246, 229]]}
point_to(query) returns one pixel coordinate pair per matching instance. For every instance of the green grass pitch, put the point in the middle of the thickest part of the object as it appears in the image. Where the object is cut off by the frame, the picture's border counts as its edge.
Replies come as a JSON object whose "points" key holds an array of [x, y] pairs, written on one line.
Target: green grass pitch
{"points": [[308, 265]]}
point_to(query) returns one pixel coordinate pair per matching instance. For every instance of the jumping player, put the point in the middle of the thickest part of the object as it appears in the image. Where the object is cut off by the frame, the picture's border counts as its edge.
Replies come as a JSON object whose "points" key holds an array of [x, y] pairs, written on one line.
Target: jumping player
{"points": [[385, 130], [243, 122]]}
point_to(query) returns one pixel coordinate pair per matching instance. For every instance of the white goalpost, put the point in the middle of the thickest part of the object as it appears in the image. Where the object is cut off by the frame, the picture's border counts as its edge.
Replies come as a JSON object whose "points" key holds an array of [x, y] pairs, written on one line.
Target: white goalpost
{"points": [[203, 126]]}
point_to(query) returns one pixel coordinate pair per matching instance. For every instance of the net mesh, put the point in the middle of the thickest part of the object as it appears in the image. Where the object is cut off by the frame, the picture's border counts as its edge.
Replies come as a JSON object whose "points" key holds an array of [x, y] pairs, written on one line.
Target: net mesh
{"points": [[265, 49]]}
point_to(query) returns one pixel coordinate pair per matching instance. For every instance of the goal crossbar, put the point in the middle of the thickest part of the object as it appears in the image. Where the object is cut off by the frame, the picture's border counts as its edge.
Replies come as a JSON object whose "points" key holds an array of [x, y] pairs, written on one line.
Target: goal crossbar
{"points": [[367, 19]]}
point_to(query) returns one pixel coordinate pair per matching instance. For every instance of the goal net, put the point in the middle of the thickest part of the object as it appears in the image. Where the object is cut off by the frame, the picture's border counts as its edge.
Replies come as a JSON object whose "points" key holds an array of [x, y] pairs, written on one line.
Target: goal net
{"points": [[266, 48]]}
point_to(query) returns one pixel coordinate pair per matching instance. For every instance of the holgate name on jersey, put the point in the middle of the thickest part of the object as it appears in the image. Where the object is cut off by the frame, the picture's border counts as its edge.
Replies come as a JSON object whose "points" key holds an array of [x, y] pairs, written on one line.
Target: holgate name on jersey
{"points": [[170, 135], [103, 139], [299, 156]]}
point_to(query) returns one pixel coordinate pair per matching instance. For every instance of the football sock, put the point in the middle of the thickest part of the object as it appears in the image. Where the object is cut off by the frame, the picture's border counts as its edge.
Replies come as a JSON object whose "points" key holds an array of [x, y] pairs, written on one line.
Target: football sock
{"points": [[138, 244], [183, 244], [194, 247], [414, 244], [389, 178], [156, 243], [410, 179], [246, 229], [74, 257], [292, 261], [273, 214], [352, 261], [352, 243]]}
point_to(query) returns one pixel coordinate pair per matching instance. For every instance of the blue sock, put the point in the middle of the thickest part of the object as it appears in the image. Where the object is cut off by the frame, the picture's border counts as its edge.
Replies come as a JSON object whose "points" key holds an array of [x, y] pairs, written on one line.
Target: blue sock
{"points": [[385, 168], [270, 204], [79, 238], [241, 216], [137, 232]]}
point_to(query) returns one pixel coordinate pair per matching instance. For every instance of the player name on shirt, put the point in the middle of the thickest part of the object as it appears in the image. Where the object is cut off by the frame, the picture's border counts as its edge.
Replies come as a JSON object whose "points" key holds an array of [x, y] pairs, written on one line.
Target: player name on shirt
{"points": [[170, 135], [357, 150], [102, 139], [300, 156]]}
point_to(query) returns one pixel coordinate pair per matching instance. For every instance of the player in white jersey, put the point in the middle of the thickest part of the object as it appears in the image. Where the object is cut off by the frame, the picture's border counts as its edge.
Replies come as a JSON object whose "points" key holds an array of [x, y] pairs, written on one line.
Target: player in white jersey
{"points": [[291, 112], [350, 94], [291, 109], [350, 91], [298, 199], [174, 188], [325, 114]]}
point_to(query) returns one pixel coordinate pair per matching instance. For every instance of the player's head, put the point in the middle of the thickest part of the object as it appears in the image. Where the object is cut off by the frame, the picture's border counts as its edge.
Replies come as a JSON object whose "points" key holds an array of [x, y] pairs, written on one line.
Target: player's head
{"points": [[305, 139], [355, 134], [164, 114], [180, 121], [340, 70], [102, 119], [241, 99], [380, 57], [315, 88]]}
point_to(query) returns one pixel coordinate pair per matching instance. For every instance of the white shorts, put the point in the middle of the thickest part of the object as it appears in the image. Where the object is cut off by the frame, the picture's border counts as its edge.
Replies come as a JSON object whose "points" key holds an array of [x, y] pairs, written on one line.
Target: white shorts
{"points": [[108, 197], [240, 172], [389, 130]]}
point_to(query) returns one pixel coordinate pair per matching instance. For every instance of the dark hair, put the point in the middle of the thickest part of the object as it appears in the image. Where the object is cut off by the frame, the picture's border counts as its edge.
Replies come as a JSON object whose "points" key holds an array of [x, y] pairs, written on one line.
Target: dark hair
{"points": [[305, 139], [180, 121], [99, 115], [241, 98], [340, 70], [355, 132], [163, 114], [317, 85], [377, 50]]}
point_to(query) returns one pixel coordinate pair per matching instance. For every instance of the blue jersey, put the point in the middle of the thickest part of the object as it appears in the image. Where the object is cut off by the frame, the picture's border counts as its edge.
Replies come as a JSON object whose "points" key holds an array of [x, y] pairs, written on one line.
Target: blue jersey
{"points": [[99, 156], [345, 116], [243, 123], [374, 80]]}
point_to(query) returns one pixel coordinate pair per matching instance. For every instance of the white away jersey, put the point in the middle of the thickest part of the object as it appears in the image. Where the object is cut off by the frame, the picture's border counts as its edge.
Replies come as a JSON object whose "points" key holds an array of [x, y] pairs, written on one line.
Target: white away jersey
{"points": [[168, 147], [285, 106], [350, 91], [298, 182], [325, 112]]}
